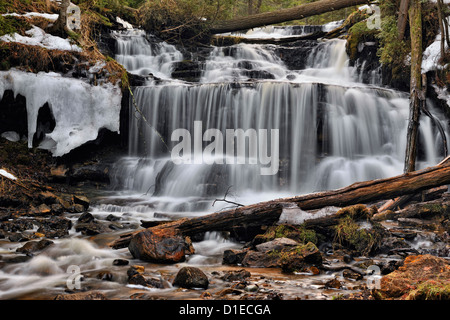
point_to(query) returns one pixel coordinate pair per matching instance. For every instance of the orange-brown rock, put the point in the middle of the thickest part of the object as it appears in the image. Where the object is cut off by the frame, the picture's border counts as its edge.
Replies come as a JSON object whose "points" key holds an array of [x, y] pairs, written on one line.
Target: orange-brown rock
{"points": [[416, 271], [160, 245]]}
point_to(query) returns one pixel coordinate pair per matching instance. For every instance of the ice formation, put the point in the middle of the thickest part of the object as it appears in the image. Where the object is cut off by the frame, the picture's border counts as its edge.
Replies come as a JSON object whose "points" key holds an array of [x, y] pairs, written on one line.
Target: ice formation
{"points": [[79, 109]]}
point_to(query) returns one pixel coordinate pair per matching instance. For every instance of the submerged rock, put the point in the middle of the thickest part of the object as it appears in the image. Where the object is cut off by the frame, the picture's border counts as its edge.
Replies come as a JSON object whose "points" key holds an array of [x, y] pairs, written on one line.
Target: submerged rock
{"points": [[33, 246]]}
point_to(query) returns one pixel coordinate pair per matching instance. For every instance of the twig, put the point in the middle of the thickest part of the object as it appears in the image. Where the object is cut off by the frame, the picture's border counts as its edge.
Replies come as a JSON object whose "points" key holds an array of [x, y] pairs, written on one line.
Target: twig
{"points": [[227, 201]]}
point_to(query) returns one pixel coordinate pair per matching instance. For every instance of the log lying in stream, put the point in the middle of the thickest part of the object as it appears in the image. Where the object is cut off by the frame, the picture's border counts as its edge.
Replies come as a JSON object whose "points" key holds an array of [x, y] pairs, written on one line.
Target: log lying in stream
{"points": [[267, 213]]}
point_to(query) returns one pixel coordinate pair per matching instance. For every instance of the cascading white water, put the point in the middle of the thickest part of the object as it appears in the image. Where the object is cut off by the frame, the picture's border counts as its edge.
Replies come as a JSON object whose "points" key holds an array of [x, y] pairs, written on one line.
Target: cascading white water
{"points": [[333, 130], [140, 55]]}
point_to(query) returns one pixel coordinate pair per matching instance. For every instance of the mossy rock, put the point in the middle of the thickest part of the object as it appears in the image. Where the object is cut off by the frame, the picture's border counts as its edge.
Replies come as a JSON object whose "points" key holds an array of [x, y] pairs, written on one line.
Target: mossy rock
{"points": [[357, 34], [297, 233], [299, 258], [350, 235]]}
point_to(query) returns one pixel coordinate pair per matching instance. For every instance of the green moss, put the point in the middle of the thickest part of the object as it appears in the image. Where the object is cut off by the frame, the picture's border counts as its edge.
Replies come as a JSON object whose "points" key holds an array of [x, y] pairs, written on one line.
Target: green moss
{"points": [[297, 233], [431, 290], [349, 234], [11, 25], [359, 32]]}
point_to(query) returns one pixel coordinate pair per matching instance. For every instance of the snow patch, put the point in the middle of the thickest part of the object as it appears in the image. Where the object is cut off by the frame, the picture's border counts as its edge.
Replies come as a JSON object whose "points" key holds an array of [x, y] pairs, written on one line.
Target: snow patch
{"points": [[80, 110], [443, 94], [38, 37], [6, 174], [432, 54], [48, 16]]}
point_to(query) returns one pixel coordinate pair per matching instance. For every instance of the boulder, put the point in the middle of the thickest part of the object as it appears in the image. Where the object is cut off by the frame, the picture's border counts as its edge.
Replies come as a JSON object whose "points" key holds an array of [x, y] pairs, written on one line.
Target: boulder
{"points": [[420, 277], [160, 246], [34, 246], [233, 256], [55, 227], [238, 275], [299, 258], [277, 244], [191, 277], [82, 200], [136, 275]]}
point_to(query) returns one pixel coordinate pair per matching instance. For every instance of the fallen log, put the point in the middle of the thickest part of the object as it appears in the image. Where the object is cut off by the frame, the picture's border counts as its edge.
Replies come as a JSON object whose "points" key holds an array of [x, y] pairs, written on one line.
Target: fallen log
{"points": [[394, 204], [283, 15], [266, 213]]}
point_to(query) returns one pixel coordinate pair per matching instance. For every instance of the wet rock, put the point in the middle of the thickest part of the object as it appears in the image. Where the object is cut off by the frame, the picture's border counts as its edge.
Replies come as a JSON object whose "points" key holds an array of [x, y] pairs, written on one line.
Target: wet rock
{"points": [[233, 257], [112, 217], [90, 295], [55, 227], [5, 215], [105, 276], [58, 174], [300, 257], [161, 246], [82, 200], [17, 225], [333, 284], [92, 228], [120, 262], [86, 217], [420, 276], [261, 259], [34, 246], [41, 210], [137, 276], [18, 237], [187, 70], [91, 172], [349, 274], [238, 275], [18, 259], [191, 277], [390, 266], [48, 198], [277, 244]]}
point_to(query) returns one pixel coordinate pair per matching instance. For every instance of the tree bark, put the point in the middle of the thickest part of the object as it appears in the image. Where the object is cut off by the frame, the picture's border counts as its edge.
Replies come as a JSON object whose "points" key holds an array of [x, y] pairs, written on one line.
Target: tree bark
{"points": [[402, 18], [266, 213], [415, 23], [284, 15], [441, 26], [60, 25]]}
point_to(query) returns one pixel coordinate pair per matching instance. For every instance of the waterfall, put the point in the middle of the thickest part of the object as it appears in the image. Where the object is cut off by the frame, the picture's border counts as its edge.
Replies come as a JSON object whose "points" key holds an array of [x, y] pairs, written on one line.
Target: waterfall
{"points": [[332, 129]]}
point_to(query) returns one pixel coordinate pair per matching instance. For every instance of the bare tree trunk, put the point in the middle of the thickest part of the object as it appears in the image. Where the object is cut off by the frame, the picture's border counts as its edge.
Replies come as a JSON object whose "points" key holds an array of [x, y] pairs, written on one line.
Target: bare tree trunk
{"points": [[415, 23], [441, 26], [284, 15], [250, 7], [402, 18], [60, 25]]}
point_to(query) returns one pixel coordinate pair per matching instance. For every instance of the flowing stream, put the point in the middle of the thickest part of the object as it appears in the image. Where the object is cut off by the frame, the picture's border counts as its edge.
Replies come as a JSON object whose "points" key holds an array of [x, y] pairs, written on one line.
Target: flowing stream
{"points": [[316, 128]]}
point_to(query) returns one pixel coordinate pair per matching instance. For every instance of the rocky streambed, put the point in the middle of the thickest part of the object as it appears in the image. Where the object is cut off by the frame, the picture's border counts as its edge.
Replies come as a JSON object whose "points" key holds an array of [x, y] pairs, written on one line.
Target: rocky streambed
{"points": [[55, 244]]}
